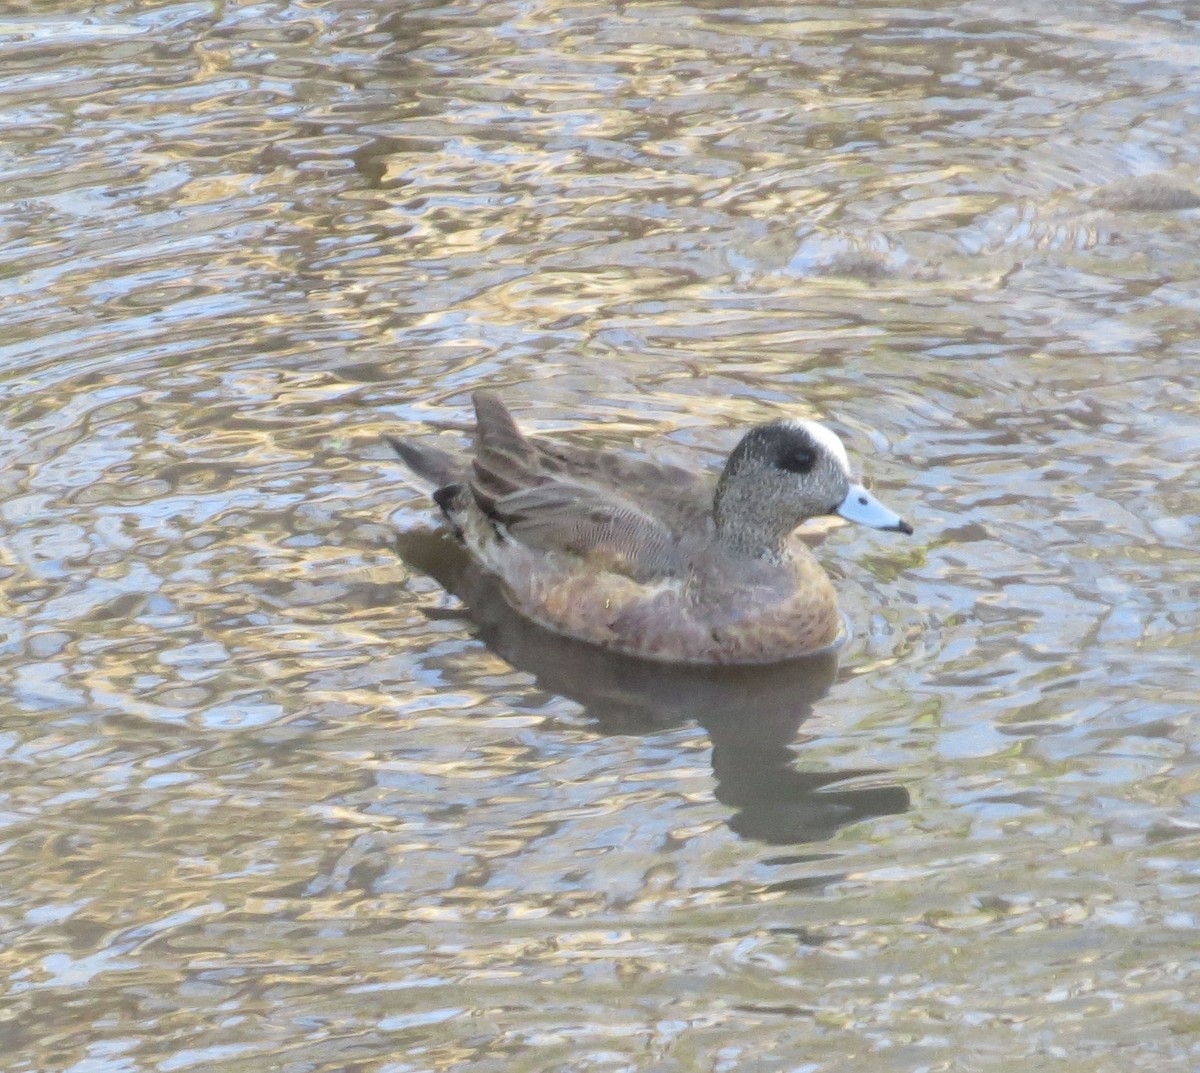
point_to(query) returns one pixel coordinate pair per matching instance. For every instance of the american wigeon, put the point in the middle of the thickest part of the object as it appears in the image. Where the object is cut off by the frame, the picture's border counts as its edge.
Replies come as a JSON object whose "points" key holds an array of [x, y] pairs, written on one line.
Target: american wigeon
{"points": [[650, 559]]}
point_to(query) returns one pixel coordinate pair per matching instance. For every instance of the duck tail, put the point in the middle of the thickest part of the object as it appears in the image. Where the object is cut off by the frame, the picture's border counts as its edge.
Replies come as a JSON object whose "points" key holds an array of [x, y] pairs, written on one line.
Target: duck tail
{"points": [[434, 464]]}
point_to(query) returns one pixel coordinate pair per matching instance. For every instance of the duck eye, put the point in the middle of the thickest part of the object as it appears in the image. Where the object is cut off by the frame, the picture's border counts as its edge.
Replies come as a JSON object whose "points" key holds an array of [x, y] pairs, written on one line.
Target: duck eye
{"points": [[798, 460]]}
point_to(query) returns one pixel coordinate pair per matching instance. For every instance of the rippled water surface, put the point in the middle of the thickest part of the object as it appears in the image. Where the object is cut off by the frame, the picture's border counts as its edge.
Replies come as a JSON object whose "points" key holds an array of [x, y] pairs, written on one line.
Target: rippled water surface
{"points": [[270, 799]]}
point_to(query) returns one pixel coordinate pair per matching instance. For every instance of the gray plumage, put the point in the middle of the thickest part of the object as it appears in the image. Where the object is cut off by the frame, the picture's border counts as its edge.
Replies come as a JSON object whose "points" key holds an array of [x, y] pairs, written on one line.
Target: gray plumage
{"points": [[649, 558]]}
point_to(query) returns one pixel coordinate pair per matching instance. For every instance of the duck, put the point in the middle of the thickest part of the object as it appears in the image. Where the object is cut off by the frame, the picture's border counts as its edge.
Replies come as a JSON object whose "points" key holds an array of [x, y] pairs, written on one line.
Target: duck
{"points": [[649, 559]]}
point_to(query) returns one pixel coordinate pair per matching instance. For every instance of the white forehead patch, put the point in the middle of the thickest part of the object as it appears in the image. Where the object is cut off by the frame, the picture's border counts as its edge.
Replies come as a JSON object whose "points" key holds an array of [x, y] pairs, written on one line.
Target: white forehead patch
{"points": [[828, 439]]}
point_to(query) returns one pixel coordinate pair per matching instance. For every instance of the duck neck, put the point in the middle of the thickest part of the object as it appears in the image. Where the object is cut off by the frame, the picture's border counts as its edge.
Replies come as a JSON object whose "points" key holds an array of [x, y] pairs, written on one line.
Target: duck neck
{"points": [[751, 525]]}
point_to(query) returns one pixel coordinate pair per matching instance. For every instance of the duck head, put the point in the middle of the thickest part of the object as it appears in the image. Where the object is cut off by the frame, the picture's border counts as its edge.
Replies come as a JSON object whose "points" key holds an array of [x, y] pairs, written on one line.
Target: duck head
{"points": [[783, 473]]}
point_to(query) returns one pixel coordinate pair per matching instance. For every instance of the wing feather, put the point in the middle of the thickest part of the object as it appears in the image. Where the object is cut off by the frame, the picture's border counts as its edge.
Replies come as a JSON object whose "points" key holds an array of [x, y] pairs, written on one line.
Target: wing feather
{"points": [[592, 523]]}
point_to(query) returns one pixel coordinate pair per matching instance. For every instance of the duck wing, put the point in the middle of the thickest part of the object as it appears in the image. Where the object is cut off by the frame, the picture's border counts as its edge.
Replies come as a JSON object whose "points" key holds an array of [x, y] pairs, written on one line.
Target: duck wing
{"points": [[680, 498], [506, 459], [606, 533], [535, 494]]}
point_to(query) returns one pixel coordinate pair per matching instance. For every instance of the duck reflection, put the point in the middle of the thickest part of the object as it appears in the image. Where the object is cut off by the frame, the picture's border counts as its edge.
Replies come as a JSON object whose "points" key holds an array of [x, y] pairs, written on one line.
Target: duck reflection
{"points": [[751, 714]]}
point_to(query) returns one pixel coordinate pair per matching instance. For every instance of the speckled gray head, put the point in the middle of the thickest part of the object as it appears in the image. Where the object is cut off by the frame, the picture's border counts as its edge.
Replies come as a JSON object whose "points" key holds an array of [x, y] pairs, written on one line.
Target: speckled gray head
{"points": [[785, 472]]}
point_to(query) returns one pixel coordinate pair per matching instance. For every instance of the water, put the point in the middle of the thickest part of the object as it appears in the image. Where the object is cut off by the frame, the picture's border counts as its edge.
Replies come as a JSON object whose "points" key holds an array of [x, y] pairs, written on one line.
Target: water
{"points": [[271, 799]]}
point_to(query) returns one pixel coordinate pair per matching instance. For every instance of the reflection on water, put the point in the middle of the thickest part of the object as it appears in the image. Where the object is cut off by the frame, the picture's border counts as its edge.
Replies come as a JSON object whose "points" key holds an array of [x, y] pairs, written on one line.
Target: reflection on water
{"points": [[261, 810], [751, 714]]}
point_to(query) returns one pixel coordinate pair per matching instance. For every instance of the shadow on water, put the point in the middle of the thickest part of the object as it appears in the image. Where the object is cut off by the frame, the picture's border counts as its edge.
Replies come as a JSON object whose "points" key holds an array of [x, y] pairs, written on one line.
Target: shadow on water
{"points": [[751, 714]]}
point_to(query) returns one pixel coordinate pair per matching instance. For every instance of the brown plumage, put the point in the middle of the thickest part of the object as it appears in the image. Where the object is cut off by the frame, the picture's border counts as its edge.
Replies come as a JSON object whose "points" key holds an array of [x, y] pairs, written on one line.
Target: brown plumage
{"points": [[651, 559]]}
